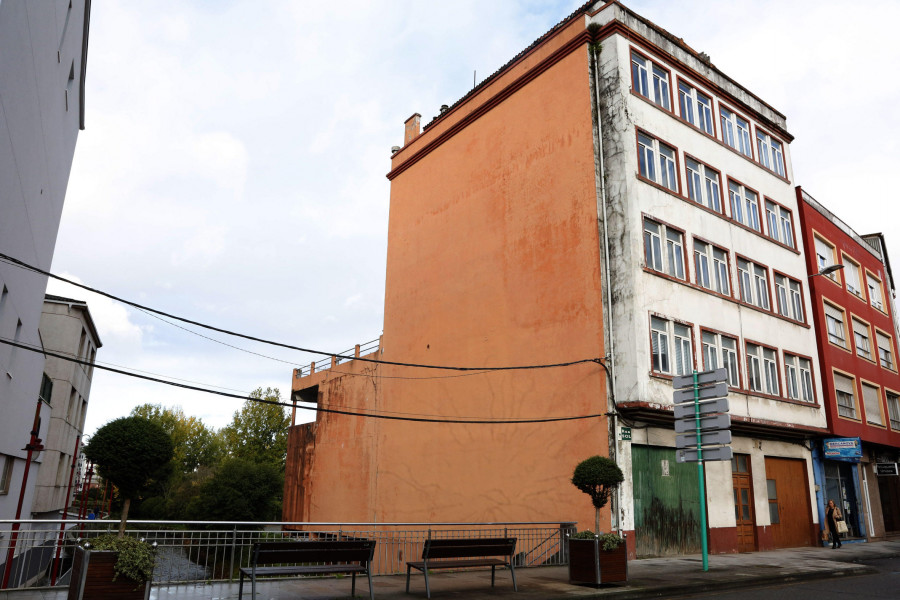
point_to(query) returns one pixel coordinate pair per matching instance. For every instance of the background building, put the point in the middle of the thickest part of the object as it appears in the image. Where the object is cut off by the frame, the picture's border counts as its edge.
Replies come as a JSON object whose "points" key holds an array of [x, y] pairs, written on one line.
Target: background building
{"points": [[608, 193], [854, 314], [43, 51], [68, 329]]}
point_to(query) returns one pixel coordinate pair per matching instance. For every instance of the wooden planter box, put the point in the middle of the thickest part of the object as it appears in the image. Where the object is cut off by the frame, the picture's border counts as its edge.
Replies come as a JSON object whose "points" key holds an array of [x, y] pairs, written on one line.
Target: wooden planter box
{"points": [[589, 564], [92, 578]]}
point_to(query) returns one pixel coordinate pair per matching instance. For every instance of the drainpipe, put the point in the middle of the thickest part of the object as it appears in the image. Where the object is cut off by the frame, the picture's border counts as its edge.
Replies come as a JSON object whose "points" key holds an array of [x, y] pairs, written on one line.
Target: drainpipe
{"points": [[34, 445], [62, 526], [611, 371]]}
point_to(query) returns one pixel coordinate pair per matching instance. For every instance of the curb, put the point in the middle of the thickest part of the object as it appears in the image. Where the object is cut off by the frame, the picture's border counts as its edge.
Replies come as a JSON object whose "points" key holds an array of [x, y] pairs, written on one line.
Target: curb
{"points": [[685, 589]]}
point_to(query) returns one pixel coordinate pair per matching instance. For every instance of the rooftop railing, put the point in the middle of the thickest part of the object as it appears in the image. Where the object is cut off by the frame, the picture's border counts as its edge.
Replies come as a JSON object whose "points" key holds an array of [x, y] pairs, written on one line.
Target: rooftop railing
{"points": [[198, 551], [329, 362]]}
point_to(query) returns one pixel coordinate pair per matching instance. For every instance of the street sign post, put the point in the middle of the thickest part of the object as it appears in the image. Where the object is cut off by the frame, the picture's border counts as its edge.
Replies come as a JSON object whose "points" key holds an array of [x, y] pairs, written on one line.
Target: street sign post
{"points": [[700, 405]]}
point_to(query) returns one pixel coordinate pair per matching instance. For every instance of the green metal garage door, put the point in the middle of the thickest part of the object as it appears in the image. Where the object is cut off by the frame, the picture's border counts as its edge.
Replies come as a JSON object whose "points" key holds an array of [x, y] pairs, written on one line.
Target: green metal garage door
{"points": [[666, 503]]}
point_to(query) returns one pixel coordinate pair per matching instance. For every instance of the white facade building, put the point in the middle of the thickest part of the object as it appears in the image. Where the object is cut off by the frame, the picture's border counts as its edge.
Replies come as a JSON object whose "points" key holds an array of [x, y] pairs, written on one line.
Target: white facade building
{"points": [[43, 49], [68, 329], [705, 270]]}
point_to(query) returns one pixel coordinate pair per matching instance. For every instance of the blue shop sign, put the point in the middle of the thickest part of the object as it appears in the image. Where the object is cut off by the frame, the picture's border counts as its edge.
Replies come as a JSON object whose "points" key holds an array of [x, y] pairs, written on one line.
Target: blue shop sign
{"points": [[845, 449]]}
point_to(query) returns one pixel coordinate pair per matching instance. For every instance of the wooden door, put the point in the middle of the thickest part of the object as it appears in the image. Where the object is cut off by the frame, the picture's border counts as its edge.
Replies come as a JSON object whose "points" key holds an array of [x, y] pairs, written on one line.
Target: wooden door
{"points": [[787, 489], [743, 503]]}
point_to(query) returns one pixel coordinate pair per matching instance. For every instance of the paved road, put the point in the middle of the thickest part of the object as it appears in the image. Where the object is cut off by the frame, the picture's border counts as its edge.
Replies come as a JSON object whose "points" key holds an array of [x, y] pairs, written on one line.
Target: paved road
{"points": [[885, 584]]}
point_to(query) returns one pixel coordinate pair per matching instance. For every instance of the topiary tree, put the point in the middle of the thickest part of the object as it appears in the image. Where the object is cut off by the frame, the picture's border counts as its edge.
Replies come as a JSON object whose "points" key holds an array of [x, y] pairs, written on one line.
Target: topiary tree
{"points": [[597, 476], [130, 452]]}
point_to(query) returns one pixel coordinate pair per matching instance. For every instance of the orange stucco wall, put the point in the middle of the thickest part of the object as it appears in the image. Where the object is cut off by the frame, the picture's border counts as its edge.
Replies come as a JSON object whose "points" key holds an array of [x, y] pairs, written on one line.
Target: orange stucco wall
{"points": [[493, 260]]}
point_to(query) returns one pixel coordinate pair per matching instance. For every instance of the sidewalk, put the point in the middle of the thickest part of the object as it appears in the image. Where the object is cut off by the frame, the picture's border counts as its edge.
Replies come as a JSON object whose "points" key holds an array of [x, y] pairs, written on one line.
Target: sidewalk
{"points": [[647, 578]]}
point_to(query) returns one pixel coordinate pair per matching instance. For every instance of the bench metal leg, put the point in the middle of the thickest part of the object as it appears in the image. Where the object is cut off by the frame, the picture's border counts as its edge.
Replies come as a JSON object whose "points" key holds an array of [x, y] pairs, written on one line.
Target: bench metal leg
{"points": [[253, 587], [493, 568], [408, 569], [427, 587], [241, 587], [353, 585], [512, 570], [371, 589]]}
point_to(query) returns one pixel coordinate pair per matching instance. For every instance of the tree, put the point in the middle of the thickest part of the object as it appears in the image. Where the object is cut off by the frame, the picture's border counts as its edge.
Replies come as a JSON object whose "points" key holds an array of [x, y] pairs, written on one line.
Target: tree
{"points": [[258, 432], [130, 452], [240, 490], [597, 476], [195, 444]]}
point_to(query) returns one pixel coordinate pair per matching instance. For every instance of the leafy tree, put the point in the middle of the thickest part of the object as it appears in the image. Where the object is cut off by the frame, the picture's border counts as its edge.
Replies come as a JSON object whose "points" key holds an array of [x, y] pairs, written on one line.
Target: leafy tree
{"points": [[130, 452], [597, 476], [240, 490], [258, 432], [195, 444]]}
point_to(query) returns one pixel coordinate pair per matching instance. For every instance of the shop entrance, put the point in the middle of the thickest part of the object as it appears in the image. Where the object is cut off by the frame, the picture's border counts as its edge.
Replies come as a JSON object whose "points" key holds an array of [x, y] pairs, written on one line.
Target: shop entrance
{"points": [[840, 487]]}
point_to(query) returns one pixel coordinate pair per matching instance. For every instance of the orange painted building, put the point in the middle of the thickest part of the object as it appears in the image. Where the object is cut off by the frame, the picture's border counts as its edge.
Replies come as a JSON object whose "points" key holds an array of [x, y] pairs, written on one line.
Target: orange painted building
{"points": [[493, 260]]}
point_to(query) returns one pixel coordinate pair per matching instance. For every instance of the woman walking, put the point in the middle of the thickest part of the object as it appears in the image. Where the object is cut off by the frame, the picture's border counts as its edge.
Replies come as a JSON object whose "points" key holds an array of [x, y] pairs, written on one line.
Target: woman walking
{"points": [[832, 516]]}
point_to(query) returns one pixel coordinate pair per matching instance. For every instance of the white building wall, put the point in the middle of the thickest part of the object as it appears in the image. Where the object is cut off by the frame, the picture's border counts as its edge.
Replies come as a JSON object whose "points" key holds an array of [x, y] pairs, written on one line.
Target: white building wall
{"points": [[41, 44], [637, 293]]}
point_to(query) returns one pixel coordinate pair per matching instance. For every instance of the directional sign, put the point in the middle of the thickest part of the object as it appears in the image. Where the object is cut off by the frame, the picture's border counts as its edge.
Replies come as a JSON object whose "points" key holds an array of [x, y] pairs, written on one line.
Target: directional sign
{"points": [[706, 423], [691, 455], [709, 438], [706, 408], [704, 378], [720, 390]]}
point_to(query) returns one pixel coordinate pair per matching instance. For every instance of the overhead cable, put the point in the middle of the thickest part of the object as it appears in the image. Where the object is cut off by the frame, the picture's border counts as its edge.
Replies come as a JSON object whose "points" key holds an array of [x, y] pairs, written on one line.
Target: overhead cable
{"points": [[24, 265], [458, 420]]}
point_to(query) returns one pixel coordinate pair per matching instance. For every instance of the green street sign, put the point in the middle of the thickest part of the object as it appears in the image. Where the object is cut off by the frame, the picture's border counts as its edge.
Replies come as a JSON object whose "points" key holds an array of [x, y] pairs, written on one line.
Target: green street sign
{"points": [[625, 434]]}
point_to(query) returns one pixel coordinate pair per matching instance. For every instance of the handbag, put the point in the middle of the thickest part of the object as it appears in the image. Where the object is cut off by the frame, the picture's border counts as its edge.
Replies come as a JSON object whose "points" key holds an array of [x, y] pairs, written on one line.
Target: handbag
{"points": [[841, 526]]}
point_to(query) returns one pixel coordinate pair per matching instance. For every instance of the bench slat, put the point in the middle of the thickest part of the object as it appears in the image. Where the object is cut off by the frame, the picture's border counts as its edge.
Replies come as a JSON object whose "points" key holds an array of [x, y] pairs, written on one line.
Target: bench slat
{"points": [[461, 564]]}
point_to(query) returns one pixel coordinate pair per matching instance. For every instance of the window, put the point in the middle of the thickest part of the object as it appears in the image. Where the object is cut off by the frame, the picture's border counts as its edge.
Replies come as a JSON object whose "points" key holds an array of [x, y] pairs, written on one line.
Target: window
{"points": [[885, 350], [780, 224], [789, 300], [744, 205], [754, 368], [861, 339], [872, 401], [773, 501], [825, 257], [834, 324], [846, 398], [893, 403], [650, 80], [656, 162], [703, 185], [721, 351], [770, 153], [711, 266], [736, 132], [754, 283], [664, 256], [876, 298], [696, 107], [770, 369], [798, 378], [671, 347], [851, 276], [5, 473]]}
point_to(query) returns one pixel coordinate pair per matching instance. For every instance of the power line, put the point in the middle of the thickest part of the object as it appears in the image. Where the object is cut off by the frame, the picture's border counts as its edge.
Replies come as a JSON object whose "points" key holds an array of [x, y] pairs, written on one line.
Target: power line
{"points": [[458, 420], [19, 263]]}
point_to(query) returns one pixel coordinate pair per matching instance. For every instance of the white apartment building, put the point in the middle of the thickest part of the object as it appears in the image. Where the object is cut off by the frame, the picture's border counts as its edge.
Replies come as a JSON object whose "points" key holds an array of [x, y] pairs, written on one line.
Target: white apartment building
{"points": [[705, 270], [67, 329], [43, 51]]}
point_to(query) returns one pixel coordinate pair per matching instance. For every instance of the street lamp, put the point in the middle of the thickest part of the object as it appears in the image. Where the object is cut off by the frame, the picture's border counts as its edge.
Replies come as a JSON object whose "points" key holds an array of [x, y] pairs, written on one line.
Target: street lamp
{"points": [[827, 270]]}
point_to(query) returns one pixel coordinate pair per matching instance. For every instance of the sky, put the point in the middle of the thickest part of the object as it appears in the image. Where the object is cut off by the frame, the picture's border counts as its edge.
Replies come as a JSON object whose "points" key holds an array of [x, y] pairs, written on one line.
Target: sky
{"points": [[232, 169]]}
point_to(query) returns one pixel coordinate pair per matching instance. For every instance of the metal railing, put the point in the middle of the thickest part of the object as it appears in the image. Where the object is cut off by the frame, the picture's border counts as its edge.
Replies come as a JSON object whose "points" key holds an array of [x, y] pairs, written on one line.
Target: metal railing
{"points": [[195, 551], [332, 361]]}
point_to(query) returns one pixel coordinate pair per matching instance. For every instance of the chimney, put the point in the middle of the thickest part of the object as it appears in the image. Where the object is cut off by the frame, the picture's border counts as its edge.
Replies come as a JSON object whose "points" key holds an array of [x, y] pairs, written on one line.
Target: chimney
{"points": [[412, 128]]}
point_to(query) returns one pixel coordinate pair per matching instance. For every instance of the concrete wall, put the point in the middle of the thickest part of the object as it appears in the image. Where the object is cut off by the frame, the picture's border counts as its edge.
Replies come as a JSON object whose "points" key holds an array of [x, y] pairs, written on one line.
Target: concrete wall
{"points": [[41, 44]]}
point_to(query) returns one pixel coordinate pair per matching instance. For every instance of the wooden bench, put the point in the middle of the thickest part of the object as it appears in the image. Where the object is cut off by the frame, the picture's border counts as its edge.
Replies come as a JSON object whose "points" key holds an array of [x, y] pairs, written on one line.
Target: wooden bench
{"points": [[465, 553], [281, 558]]}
